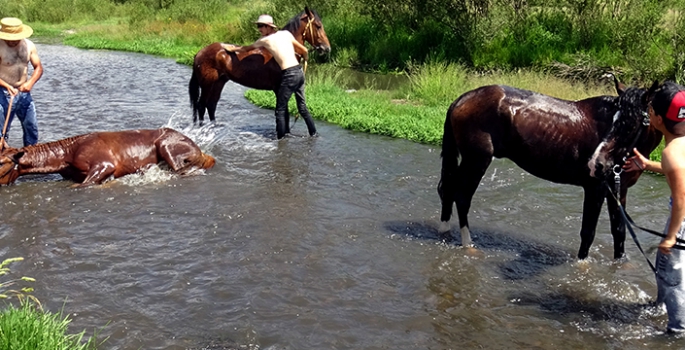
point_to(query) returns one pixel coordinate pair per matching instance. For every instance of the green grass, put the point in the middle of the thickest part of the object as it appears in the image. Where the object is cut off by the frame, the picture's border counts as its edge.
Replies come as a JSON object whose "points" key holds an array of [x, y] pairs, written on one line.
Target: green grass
{"points": [[415, 112], [28, 328]]}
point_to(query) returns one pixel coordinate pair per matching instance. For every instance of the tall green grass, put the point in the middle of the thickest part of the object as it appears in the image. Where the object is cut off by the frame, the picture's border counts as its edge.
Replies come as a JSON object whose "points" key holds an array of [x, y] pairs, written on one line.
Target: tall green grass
{"points": [[416, 111], [28, 328]]}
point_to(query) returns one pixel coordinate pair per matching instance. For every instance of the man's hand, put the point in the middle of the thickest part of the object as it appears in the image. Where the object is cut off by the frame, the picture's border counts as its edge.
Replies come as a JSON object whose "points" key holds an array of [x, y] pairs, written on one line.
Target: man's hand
{"points": [[25, 87], [666, 245], [636, 162], [230, 47], [13, 91]]}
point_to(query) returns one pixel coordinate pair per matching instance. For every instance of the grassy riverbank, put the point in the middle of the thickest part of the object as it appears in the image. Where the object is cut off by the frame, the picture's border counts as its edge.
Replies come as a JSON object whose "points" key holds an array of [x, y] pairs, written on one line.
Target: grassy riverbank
{"points": [[415, 111]]}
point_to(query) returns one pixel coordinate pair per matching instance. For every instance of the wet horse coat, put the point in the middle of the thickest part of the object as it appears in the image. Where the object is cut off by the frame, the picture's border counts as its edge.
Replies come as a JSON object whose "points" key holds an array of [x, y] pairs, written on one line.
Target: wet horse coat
{"points": [[91, 159], [567, 142], [213, 66]]}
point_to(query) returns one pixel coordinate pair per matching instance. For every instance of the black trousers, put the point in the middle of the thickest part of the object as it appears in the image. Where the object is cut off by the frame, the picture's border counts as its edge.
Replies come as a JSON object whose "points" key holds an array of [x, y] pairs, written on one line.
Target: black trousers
{"points": [[292, 82]]}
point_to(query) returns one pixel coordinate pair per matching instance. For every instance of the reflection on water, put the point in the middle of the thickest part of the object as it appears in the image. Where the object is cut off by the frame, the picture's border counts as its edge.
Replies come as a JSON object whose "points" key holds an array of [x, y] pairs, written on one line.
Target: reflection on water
{"points": [[325, 243]]}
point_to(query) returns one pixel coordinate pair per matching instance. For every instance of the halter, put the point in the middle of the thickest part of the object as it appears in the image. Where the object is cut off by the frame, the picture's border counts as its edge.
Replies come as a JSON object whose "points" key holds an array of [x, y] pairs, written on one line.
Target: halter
{"points": [[311, 29], [14, 168], [618, 168]]}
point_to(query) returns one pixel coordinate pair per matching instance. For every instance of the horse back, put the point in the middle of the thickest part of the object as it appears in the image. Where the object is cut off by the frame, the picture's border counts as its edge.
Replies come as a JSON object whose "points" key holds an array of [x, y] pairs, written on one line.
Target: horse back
{"points": [[255, 69], [549, 137]]}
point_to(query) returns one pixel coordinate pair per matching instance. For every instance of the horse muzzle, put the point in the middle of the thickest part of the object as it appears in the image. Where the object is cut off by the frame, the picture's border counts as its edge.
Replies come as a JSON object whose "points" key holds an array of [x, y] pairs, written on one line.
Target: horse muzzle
{"points": [[323, 49]]}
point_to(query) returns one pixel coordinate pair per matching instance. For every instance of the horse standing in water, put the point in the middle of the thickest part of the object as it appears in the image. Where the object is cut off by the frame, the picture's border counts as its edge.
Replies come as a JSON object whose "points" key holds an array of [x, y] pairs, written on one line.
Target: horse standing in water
{"points": [[567, 142], [91, 159], [213, 66]]}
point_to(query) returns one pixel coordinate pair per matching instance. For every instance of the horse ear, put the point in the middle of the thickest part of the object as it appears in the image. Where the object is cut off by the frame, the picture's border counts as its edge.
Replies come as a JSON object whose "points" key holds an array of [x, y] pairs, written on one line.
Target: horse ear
{"points": [[15, 157], [650, 93], [620, 87], [308, 12]]}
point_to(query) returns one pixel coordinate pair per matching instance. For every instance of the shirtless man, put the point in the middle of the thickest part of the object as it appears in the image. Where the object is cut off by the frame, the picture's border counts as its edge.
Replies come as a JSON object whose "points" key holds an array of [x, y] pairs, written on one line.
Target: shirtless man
{"points": [[16, 51], [667, 114], [283, 46]]}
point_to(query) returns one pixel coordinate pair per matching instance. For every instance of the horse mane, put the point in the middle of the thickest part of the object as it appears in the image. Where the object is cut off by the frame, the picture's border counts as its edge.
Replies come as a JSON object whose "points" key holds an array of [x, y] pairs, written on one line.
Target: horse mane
{"points": [[43, 150], [295, 22], [632, 113]]}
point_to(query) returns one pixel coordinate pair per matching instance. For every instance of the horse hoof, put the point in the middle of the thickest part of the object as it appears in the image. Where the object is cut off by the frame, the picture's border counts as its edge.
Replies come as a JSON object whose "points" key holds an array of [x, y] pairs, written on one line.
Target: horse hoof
{"points": [[472, 251]]}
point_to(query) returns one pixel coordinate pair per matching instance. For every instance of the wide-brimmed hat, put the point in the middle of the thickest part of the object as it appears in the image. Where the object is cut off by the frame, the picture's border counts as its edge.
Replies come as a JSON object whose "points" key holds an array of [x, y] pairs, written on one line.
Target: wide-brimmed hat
{"points": [[12, 29], [266, 19]]}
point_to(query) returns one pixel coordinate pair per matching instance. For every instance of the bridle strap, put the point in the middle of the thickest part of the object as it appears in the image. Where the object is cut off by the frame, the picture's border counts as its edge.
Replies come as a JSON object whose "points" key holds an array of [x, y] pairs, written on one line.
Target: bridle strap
{"points": [[311, 30], [14, 168]]}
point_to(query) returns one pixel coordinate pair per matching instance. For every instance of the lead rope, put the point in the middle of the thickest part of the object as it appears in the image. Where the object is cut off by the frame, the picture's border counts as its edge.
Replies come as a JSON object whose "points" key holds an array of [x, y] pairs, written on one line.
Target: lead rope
{"points": [[304, 68], [617, 184], [4, 128], [629, 221]]}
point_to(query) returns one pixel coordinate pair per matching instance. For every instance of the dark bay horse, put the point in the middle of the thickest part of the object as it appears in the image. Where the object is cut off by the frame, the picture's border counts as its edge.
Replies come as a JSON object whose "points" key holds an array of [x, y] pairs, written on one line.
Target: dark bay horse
{"points": [[213, 66], [567, 142], [92, 158]]}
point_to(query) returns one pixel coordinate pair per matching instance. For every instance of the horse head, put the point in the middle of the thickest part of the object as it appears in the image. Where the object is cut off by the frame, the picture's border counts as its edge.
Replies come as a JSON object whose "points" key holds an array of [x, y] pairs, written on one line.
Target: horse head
{"points": [[629, 129], [9, 165], [312, 31]]}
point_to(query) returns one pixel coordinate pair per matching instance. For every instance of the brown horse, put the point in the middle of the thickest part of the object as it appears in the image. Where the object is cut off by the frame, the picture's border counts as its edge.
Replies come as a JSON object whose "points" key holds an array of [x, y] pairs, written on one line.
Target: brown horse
{"points": [[213, 66], [92, 158], [567, 142]]}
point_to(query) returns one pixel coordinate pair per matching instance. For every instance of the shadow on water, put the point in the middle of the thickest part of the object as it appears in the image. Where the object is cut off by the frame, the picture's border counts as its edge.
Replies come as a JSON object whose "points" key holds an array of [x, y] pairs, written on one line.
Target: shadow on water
{"points": [[532, 257], [565, 303]]}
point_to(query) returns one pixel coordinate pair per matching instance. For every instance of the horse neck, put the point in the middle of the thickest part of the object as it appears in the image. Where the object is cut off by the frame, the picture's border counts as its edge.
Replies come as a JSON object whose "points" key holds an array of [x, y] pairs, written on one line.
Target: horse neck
{"points": [[47, 157], [295, 27]]}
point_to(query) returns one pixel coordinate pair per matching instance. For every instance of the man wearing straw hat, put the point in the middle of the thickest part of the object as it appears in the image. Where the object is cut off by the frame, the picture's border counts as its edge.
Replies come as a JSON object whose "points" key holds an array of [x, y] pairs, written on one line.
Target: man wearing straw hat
{"points": [[282, 45], [16, 51]]}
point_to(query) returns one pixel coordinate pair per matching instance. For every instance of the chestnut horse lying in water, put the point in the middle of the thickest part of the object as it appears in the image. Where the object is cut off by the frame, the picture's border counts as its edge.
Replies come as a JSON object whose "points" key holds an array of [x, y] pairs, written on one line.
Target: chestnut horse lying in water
{"points": [[91, 159]]}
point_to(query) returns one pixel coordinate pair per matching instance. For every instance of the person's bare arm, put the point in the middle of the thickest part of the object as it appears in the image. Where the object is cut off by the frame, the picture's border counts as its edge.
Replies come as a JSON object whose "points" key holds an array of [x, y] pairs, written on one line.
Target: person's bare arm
{"points": [[301, 50], [37, 69], [673, 163], [236, 48]]}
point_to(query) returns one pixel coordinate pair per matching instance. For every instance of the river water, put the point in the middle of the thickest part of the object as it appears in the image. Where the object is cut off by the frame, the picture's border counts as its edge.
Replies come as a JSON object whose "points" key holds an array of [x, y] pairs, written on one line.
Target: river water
{"points": [[325, 243]]}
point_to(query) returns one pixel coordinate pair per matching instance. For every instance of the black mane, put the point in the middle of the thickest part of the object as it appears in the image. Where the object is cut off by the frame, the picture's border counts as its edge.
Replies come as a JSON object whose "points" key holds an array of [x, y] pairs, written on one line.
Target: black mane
{"points": [[629, 124], [295, 22]]}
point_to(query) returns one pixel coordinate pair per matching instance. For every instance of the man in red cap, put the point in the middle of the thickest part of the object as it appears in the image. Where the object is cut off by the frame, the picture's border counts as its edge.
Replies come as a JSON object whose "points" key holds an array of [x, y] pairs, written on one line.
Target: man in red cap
{"points": [[667, 114], [16, 51], [283, 46]]}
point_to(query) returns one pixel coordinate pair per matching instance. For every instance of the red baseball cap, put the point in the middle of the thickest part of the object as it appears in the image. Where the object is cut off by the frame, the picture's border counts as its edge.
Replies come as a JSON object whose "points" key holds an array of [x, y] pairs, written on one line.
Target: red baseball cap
{"points": [[676, 111]]}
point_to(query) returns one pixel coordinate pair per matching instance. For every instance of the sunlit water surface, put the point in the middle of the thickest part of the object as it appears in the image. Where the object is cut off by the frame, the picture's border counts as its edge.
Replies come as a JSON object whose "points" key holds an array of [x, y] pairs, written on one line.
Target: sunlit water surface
{"points": [[325, 243]]}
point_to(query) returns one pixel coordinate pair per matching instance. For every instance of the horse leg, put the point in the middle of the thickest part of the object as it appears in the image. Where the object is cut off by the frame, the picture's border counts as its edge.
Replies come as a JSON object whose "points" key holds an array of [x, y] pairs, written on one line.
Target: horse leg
{"points": [[200, 107], [97, 174], [213, 98], [592, 205], [618, 225], [469, 173]]}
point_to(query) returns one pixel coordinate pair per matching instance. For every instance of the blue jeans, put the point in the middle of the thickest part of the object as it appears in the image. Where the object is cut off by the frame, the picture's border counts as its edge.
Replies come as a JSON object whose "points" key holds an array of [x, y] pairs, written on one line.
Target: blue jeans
{"points": [[292, 82], [670, 273], [24, 108]]}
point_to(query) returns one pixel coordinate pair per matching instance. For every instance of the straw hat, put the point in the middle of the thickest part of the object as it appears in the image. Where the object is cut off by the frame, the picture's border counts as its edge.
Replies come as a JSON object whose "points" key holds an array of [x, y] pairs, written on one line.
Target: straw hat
{"points": [[12, 29], [266, 19]]}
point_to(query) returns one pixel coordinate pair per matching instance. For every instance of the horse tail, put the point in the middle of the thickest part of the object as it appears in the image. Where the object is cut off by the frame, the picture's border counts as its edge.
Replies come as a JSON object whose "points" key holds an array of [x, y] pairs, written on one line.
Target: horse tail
{"points": [[194, 91], [450, 163]]}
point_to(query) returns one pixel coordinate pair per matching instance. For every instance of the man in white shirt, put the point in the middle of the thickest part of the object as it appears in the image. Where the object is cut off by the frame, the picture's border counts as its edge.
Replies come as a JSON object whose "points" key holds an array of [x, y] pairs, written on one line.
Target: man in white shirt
{"points": [[283, 46]]}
